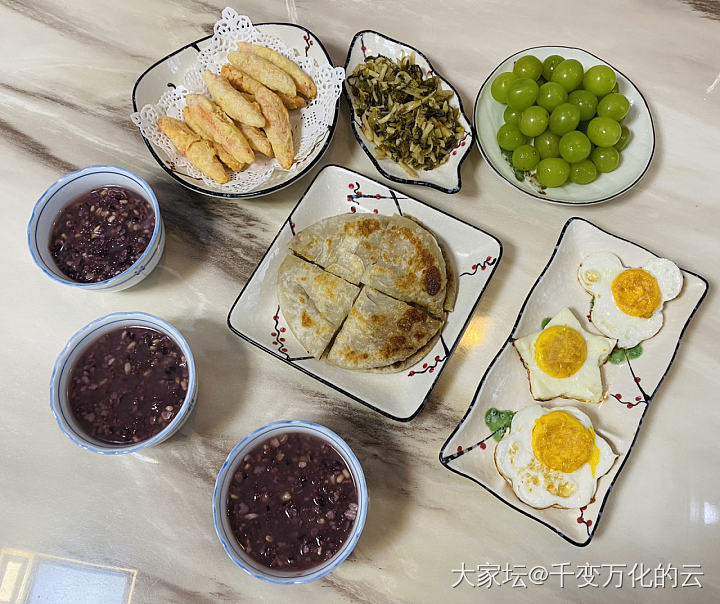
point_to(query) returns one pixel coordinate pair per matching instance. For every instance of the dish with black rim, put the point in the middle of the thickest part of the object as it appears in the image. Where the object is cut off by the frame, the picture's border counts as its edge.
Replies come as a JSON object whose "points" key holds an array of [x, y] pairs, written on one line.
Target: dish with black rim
{"points": [[635, 158], [255, 315], [446, 177], [168, 71], [632, 385]]}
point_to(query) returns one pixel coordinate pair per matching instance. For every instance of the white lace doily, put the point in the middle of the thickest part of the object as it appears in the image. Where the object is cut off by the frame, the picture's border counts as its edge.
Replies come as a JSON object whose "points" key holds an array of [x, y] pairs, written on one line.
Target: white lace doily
{"points": [[310, 124]]}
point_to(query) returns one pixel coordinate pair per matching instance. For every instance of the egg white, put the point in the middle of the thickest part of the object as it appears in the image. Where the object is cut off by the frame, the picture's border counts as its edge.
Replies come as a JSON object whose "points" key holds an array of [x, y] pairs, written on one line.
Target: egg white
{"points": [[517, 464], [584, 385], [596, 274]]}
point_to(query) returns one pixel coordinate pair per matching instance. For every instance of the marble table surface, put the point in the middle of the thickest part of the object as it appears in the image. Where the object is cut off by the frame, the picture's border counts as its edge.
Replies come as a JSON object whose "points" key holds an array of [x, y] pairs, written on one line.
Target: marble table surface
{"points": [[66, 75]]}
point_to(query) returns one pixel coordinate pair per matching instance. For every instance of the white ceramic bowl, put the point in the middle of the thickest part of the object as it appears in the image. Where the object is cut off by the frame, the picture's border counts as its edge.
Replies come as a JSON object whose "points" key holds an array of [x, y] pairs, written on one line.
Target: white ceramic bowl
{"points": [[222, 486], [168, 73], [74, 349], [69, 188], [634, 160], [445, 178]]}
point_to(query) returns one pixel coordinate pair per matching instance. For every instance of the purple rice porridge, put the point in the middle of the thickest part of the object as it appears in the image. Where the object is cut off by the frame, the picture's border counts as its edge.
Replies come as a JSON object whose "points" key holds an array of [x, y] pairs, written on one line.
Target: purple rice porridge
{"points": [[292, 502], [128, 385]]}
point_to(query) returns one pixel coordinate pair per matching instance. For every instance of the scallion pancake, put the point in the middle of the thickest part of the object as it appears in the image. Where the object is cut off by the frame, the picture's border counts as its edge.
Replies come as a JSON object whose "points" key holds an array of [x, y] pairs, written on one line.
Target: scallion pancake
{"points": [[381, 331], [313, 302], [392, 254]]}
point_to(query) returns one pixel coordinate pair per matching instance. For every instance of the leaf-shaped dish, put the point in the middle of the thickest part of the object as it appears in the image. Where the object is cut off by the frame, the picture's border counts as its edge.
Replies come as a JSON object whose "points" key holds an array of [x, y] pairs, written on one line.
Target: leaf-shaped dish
{"points": [[632, 385], [446, 177]]}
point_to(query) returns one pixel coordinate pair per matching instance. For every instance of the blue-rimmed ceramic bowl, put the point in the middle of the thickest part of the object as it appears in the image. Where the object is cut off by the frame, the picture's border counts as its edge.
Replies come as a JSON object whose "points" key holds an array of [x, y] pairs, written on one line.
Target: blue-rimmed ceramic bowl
{"points": [[222, 486], [68, 189], [74, 349]]}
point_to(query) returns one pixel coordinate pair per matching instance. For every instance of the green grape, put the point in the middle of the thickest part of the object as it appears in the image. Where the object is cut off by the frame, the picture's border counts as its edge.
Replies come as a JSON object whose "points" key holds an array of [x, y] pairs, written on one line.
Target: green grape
{"points": [[534, 121], [599, 79], [528, 67], [500, 84], [511, 116], [614, 106], [564, 118], [552, 172], [586, 101], [574, 146], [525, 157], [615, 88], [550, 64], [547, 144], [569, 74], [624, 138], [510, 138], [583, 172], [602, 131], [550, 95], [606, 159], [521, 93]]}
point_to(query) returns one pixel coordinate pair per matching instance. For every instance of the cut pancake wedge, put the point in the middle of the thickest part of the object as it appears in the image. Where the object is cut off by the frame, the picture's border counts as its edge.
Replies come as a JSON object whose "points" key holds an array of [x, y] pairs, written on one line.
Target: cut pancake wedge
{"points": [[313, 302], [380, 332], [393, 254]]}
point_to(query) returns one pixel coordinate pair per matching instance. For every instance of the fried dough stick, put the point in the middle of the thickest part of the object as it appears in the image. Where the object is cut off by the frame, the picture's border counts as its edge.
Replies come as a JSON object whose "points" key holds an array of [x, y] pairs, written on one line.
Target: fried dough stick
{"points": [[220, 127], [257, 139], [278, 128], [235, 76], [263, 71], [232, 102], [200, 152], [221, 151], [303, 82]]}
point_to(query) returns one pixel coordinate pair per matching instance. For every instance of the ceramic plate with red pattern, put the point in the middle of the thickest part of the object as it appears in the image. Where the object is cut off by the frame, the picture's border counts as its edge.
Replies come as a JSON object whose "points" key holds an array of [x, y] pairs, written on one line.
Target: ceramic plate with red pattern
{"points": [[256, 317], [631, 380]]}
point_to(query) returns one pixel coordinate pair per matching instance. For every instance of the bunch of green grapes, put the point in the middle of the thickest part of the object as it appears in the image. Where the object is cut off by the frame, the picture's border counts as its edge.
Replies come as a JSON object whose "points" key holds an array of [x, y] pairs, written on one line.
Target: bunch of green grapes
{"points": [[561, 121]]}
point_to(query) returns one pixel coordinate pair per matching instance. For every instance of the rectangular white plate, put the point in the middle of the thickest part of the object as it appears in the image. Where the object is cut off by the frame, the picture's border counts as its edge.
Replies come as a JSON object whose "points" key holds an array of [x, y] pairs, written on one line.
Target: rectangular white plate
{"points": [[631, 386], [255, 316]]}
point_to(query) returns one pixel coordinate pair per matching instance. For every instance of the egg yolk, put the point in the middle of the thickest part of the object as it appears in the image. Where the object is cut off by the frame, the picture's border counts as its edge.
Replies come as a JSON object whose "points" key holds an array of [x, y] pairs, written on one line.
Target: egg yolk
{"points": [[562, 443], [560, 351], [636, 292]]}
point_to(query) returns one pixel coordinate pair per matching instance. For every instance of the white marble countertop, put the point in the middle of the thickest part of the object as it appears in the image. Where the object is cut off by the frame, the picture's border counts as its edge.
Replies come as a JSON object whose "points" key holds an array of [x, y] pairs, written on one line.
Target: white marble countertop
{"points": [[66, 77]]}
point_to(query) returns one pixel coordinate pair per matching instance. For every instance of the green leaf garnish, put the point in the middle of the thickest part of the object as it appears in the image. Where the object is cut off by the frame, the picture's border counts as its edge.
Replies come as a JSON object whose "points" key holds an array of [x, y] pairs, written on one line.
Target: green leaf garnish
{"points": [[544, 322], [498, 421], [620, 355], [617, 356]]}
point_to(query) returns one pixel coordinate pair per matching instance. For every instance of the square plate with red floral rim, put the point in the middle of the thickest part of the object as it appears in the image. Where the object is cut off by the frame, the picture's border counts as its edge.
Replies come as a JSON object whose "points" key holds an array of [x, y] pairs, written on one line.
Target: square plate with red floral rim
{"points": [[631, 384], [256, 317]]}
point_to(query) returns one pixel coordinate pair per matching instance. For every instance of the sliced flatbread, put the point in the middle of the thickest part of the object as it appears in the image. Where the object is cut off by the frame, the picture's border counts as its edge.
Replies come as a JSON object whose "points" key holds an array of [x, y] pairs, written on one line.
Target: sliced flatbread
{"points": [[346, 245], [381, 331], [313, 302], [393, 254], [410, 266]]}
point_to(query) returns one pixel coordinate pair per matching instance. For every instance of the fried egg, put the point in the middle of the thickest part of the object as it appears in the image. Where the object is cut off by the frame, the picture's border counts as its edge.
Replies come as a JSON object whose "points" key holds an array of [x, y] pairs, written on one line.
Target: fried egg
{"points": [[553, 457], [564, 360], [628, 302]]}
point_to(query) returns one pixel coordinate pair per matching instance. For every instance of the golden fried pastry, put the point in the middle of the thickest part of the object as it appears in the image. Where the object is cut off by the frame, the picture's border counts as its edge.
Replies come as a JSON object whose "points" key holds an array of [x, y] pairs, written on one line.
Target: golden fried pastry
{"points": [[200, 152], [220, 127], [222, 152], [232, 102], [257, 139], [249, 86], [303, 82], [291, 102], [263, 71], [278, 128]]}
